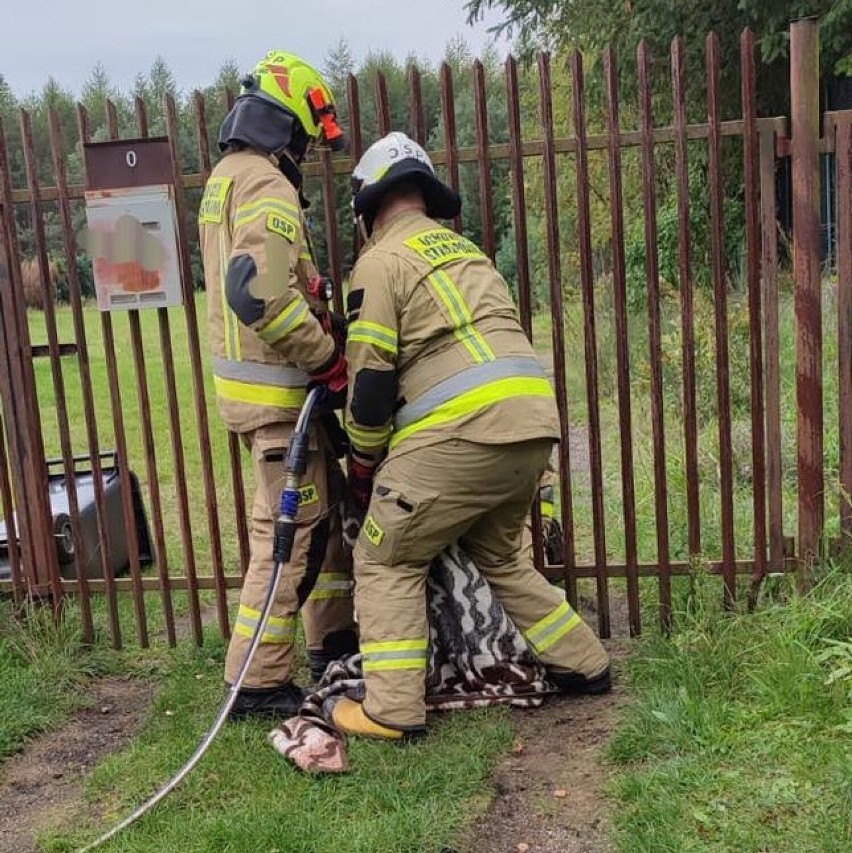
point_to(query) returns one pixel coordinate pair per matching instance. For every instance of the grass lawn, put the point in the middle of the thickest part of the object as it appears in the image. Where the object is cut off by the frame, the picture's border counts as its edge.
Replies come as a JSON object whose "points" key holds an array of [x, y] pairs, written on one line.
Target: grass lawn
{"points": [[734, 742], [739, 736]]}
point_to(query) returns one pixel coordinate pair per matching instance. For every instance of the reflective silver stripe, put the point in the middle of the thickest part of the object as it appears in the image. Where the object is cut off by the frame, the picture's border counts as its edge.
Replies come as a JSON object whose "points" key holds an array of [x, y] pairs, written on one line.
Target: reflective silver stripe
{"points": [[408, 654], [467, 380], [280, 375]]}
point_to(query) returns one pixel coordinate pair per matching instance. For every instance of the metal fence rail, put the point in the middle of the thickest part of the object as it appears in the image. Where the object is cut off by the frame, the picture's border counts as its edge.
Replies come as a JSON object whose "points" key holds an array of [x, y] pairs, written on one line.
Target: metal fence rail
{"points": [[199, 523]]}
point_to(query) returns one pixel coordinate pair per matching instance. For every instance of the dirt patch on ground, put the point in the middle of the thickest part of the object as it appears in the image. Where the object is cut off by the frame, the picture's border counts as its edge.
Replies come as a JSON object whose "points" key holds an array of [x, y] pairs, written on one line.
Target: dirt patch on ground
{"points": [[550, 790], [41, 788]]}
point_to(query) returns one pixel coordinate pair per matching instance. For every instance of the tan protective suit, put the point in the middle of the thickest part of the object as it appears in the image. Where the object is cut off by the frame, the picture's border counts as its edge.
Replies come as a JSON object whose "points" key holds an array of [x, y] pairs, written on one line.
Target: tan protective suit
{"points": [[443, 381], [264, 341]]}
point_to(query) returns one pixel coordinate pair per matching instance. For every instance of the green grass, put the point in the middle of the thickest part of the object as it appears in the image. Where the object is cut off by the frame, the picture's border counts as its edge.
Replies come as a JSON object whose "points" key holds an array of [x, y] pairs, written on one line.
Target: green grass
{"points": [[738, 734], [244, 797], [735, 741]]}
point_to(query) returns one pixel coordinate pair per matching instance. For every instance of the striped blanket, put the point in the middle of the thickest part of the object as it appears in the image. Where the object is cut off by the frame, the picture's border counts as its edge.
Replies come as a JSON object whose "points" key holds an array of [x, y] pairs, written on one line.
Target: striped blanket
{"points": [[477, 657]]}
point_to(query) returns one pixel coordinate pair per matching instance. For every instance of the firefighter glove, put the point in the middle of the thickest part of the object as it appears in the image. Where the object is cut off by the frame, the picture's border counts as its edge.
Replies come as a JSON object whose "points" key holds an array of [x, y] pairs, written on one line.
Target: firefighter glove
{"points": [[360, 484], [333, 377]]}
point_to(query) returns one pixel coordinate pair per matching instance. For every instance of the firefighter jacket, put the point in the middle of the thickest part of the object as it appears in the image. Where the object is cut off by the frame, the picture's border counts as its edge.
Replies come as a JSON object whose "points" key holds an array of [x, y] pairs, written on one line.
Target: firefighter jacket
{"points": [[435, 349], [264, 337]]}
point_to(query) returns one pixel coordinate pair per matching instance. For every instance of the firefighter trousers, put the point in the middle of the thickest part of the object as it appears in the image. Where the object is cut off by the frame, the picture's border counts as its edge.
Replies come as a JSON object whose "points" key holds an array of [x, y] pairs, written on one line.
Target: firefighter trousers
{"points": [[422, 501], [318, 578]]}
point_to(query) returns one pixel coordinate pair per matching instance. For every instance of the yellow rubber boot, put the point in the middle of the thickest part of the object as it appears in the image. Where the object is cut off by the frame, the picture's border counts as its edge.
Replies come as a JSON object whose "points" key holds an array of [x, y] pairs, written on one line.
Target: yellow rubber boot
{"points": [[348, 715]]}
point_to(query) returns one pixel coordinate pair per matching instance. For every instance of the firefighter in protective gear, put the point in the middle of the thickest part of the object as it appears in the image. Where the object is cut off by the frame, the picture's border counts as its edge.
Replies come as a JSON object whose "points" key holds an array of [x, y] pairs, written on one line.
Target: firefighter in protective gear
{"points": [[269, 341], [451, 421]]}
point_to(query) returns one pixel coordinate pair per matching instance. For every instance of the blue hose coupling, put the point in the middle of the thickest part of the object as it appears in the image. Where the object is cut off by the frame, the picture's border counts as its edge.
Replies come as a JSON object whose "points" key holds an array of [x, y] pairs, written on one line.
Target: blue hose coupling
{"points": [[289, 503]]}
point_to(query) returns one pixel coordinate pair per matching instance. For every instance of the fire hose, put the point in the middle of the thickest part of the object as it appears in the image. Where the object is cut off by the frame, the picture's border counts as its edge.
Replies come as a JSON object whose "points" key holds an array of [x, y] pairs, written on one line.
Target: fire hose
{"points": [[285, 532]]}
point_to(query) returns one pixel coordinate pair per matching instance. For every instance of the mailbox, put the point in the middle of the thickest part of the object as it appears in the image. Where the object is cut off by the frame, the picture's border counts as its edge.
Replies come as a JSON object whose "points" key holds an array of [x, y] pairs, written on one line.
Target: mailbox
{"points": [[132, 226]]}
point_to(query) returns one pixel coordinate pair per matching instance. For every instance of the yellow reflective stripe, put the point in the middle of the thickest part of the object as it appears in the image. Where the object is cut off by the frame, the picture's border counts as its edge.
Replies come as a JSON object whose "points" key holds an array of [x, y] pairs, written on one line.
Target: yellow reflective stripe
{"points": [[546, 508], [376, 334], [289, 319], [478, 398], [460, 314], [279, 629], [233, 345], [395, 654], [226, 309], [401, 663], [332, 585], [369, 438], [552, 628], [247, 212], [259, 395], [394, 646]]}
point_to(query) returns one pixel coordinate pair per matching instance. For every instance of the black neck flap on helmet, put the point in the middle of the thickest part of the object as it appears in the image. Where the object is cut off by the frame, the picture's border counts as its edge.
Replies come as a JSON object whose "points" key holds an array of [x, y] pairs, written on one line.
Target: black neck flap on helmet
{"points": [[442, 202], [256, 123]]}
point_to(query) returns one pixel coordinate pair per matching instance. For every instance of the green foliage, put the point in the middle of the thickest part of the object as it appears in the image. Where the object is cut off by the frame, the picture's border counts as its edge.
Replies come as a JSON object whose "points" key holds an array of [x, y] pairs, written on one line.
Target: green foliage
{"points": [[668, 240], [591, 25]]}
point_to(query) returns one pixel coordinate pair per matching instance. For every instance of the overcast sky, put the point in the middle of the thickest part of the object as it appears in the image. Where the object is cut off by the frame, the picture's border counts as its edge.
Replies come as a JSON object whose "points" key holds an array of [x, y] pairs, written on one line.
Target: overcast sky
{"points": [[65, 38]]}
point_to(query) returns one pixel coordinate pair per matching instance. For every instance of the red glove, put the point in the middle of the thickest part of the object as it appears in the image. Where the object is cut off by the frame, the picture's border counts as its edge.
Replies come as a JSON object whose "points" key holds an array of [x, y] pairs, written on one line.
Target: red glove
{"points": [[360, 484], [333, 377]]}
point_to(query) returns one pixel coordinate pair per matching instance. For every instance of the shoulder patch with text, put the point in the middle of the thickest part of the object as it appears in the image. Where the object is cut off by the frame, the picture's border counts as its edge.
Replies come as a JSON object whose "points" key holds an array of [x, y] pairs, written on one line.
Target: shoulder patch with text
{"points": [[308, 494], [212, 207], [373, 532], [282, 225], [441, 246]]}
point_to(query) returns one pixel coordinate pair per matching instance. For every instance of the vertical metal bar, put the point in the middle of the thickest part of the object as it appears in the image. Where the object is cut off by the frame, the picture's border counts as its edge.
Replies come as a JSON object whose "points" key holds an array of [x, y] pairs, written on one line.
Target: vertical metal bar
{"points": [[356, 144], [329, 198], [35, 518], [619, 283], [76, 299], [8, 434], [690, 416], [769, 268], [486, 199], [5, 488], [416, 119], [356, 147], [804, 95], [755, 310], [519, 213], [717, 242], [211, 499], [584, 229], [382, 104], [843, 154], [237, 484], [448, 111], [557, 310], [25, 445], [519, 202], [652, 272], [66, 448], [18, 547], [121, 441], [199, 396], [153, 477]]}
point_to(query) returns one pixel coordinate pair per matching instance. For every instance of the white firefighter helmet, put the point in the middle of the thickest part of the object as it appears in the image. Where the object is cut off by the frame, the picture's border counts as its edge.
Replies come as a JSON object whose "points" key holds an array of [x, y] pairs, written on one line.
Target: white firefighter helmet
{"points": [[390, 161]]}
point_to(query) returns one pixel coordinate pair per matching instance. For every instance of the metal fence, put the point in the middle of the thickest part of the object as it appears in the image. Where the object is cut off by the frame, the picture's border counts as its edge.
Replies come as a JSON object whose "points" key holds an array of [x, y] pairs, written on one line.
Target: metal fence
{"points": [[196, 502]]}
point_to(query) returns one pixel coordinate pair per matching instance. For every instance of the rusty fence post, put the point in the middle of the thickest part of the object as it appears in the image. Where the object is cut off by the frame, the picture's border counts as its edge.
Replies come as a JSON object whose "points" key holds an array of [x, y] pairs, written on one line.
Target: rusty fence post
{"points": [[804, 96]]}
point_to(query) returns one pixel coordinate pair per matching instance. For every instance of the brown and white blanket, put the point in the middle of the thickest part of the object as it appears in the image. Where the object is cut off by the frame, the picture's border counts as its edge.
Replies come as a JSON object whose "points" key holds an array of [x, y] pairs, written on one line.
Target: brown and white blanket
{"points": [[477, 657]]}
